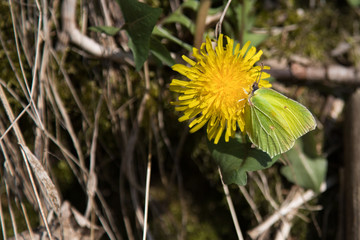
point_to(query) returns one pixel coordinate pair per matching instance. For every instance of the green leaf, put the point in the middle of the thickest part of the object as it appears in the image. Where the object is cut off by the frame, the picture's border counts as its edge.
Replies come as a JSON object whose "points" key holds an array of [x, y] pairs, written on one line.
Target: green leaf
{"points": [[140, 20], [108, 30], [191, 4], [161, 32], [255, 38], [354, 3], [178, 17], [236, 158], [304, 171], [160, 51]]}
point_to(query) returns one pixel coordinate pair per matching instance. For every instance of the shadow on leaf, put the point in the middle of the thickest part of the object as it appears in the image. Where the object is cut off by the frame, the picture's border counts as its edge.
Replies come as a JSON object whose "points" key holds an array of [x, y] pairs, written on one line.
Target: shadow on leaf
{"points": [[235, 158]]}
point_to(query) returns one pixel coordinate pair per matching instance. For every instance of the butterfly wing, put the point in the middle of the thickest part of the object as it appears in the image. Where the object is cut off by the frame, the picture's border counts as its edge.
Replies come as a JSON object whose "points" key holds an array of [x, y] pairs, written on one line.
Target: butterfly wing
{"points": [[273, 121]]}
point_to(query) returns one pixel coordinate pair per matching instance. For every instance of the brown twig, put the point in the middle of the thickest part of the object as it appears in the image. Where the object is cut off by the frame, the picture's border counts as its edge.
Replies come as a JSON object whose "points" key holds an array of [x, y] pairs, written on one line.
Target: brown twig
{"points": [[313, 73], [251, 203], [70, 29], [231, 207], [21, 141], [287, 208]]}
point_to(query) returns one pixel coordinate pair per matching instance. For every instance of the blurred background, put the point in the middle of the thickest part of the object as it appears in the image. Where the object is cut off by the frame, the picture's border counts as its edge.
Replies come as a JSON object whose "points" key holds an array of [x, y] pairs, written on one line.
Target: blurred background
{"points": [[86, 117]]}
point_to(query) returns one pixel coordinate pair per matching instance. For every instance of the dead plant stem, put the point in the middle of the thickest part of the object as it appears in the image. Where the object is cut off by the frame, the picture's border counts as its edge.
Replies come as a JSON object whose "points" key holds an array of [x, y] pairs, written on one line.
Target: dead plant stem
{"points": [[231, 208], [147, 189]]}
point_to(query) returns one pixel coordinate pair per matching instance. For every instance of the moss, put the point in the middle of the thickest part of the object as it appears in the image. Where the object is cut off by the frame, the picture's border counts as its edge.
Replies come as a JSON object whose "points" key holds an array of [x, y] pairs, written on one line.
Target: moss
{"points": [[317, 31]]}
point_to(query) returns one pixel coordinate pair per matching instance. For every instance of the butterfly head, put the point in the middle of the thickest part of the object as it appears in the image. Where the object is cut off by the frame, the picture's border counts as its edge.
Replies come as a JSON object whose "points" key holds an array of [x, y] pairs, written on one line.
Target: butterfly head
{"points": [[255, 85]]}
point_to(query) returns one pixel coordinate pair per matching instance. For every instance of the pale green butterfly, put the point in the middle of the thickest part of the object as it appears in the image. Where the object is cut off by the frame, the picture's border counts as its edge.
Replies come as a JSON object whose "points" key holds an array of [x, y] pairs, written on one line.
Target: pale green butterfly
{"points": [[273, 121]]}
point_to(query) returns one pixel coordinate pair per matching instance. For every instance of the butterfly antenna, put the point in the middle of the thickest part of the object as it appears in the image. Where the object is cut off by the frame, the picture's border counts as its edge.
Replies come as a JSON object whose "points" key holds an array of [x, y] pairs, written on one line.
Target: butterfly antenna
{"points": [[261, 70], [256, 83]]}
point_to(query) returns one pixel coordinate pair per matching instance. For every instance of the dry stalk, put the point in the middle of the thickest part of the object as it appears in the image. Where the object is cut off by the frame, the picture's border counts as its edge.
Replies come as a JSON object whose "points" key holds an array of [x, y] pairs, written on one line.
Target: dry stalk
{"points": [[298, 200], [219, 24], [12, 65], [26, 89], [21, 141], [264, 189], [71, 87], [42, 212], [2, 221], [46, 185], [69, 127], [12, 215], [92, 180], [147, 189], [159, 146], [27, 220], [231, 208], [251, 203], [14, 122], [29, 93], [124, 208], [285, 227], [109, 229]]}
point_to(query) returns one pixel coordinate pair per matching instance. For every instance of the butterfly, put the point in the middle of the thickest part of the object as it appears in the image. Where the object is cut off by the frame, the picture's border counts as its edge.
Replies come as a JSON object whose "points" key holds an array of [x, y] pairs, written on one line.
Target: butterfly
{"points": [[273, 121]]}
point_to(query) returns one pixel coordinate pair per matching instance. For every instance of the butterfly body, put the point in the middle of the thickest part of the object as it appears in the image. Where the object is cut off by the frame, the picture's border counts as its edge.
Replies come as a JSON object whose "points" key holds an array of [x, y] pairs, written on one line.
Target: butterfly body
{"points": [[273, 121]]}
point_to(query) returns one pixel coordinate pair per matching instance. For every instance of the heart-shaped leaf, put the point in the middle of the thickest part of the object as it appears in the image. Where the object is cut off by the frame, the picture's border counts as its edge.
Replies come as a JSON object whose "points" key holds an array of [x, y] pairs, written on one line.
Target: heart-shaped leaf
{"points": [[235, 158], [140, 20]]}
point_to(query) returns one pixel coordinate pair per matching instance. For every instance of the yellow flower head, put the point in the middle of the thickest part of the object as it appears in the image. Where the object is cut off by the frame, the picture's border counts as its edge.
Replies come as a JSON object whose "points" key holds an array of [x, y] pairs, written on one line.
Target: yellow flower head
{"points": [[220, 81]]}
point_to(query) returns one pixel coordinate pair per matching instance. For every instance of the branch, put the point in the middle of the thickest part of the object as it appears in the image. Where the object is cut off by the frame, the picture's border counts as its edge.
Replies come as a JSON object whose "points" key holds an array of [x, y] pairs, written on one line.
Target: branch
{"points": [[298, 200], [68, 11], [315, 73], [231, 208], [284, 230]]}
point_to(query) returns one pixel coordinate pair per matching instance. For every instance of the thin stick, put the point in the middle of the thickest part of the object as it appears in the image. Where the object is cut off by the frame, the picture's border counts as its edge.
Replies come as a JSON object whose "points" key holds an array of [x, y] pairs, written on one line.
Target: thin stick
{"points": [[264, 191], [218, 25], [231, 207], [2, 219], [12, 216], [251, 203], [37, 50], [14, 122], [35, 191], [18, 49], [70, 86], [285, 227], [148, 173], [28, 93], [31, 233], [147, 190], [92, 182], [22, 143], [107, 226], [69, 126], [297, 201]]}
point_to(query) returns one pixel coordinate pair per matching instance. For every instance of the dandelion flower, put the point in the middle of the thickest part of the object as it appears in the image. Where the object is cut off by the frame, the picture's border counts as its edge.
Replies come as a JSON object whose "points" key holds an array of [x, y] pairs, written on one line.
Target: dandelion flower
{"points": [[218, 88]]}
